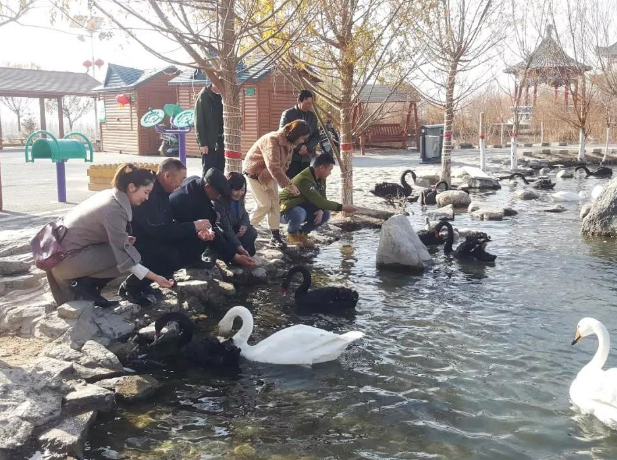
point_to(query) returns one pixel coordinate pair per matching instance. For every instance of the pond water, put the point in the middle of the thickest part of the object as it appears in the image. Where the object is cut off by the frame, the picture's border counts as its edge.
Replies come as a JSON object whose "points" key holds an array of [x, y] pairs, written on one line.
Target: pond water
{"points": [[461, 362]]}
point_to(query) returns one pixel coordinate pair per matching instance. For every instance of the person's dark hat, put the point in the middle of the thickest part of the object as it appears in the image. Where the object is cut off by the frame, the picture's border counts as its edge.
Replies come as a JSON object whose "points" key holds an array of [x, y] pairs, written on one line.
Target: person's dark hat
{"points": [[217, 179]]}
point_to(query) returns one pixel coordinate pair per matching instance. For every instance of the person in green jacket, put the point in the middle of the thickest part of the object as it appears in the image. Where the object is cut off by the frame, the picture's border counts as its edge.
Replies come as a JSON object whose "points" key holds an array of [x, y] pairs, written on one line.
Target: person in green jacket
{"points": [[209, 128], [305, 212]]}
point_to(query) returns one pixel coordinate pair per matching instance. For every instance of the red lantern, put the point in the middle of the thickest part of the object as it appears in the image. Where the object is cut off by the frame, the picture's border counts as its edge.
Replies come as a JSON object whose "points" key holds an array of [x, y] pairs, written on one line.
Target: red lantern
{"points": [[99, 63], [87, 64], [123, 99]]}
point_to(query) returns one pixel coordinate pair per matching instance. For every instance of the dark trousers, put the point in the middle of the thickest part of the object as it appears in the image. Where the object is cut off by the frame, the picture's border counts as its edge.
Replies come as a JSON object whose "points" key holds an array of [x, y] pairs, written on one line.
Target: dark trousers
{"points": [[248, 239], [296, 167], [215, 158]]}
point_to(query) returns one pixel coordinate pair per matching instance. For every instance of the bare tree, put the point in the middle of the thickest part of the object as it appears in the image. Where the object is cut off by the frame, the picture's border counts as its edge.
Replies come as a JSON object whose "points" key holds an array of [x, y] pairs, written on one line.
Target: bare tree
{"points": [[460, 36], [17, 105], [528, 45], [221, 37], [13, 10], [73, 108], [351, 46]]}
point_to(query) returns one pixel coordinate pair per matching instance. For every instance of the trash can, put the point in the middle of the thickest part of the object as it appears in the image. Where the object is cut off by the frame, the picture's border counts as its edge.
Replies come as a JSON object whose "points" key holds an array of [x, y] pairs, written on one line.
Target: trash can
{"points": [[431, 143]]}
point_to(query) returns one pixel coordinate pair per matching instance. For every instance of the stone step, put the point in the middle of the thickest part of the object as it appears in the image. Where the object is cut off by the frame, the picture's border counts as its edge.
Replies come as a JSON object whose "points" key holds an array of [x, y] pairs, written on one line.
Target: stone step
{"points": [[12, 248], [34, 280], [13, 266]]}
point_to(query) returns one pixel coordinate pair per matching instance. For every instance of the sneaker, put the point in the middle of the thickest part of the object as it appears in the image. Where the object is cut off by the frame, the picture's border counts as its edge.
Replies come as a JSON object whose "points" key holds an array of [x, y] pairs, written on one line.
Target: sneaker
{"points": [[138, 298], [306, 241], [277, 243], [295, 239]]}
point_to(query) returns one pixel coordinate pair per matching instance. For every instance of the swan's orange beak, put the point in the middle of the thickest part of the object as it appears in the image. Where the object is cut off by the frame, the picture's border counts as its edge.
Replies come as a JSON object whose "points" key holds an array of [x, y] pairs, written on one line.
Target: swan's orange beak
{"points": [[577, 337]]}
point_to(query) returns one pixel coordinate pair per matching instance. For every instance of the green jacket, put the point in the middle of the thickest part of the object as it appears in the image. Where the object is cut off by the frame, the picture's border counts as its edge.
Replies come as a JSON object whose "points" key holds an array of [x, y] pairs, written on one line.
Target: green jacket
{"points": [[209, 118], [311, 190]]}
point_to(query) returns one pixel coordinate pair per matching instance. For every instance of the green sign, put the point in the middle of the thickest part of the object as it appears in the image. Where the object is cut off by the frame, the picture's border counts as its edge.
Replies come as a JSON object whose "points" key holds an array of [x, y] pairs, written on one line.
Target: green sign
{"points": [[249, 92]]}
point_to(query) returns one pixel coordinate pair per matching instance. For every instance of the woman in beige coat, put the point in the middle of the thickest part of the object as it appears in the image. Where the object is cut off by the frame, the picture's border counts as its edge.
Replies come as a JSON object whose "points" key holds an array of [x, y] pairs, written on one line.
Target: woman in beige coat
{"points": [[265, 165], [98, 242]]}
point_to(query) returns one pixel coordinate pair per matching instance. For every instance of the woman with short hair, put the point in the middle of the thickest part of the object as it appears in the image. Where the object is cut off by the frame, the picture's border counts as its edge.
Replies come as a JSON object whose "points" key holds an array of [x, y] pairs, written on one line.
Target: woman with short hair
{"points": [[98, 243], [265, 165]]}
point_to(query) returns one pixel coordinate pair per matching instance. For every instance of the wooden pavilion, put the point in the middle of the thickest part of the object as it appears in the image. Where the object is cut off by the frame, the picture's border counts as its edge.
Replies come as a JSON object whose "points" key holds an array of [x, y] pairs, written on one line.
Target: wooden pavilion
{"points": [[548, 65], [121, 130], [41, 85], [392, 110]]}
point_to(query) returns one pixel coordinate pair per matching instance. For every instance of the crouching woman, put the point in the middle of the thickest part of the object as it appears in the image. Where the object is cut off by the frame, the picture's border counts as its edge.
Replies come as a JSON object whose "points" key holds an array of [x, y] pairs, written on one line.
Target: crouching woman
{"points": [[98, 243]]}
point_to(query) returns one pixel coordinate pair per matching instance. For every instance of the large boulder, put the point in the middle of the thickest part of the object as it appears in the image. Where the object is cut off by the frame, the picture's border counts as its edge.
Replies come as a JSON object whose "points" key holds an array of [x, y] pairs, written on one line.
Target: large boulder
{"points": [[602, 218], [445, 213], [585, 210], [400, 247], [488, 213], [526, 194], [456, 198]]}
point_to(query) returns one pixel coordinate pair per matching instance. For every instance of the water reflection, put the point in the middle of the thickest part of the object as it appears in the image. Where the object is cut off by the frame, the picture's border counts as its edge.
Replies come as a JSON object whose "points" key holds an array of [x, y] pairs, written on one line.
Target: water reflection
{"points": [[465, 361]]}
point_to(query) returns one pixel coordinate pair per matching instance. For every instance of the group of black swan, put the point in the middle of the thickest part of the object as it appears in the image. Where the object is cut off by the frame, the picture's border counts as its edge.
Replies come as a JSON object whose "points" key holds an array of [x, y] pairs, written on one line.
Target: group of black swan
{"points": [[541, 183], [391, 191], [473, 248], [602, 171]]}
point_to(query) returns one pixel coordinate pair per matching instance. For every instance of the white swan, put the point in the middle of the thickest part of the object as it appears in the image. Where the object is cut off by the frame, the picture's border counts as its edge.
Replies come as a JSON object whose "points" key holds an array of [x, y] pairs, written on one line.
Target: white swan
{"points": [[566, 196], [594, 391], [297, 344]]}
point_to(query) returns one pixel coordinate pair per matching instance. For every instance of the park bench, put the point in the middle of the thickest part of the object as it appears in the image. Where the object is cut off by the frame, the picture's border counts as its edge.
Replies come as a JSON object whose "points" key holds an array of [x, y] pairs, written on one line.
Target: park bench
{"points": [[383, 133]]}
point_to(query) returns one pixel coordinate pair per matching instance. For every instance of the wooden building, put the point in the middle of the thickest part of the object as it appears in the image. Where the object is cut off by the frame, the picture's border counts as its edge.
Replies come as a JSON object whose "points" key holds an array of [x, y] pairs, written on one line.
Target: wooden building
{"points": [[120, 127], [265, 95]]}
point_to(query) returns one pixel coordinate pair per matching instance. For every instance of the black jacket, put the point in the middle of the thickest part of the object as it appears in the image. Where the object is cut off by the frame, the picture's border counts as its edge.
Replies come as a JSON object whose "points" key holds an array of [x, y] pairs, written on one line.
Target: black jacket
{"points": [[190, 203], [209, 118], [229, 220], [153, 221], [293, 114]]}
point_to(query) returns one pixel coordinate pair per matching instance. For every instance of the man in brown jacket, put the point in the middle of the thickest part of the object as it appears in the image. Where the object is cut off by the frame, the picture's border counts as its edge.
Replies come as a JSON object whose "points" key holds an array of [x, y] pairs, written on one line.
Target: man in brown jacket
{"points": [[265, 165]]}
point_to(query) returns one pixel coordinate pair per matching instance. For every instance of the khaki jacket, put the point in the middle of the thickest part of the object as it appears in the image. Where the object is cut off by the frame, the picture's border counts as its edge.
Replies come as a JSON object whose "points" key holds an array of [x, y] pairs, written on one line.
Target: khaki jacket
{"points": [[269, 158], [103, 218]]}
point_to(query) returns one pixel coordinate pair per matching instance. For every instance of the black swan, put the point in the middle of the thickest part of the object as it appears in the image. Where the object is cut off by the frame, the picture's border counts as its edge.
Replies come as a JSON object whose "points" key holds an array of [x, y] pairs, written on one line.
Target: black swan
{"points": [[324, 299], [429, 195], [541, 183], [433, 238], [391, 191], [473, 248], [207, 352], [602, 171]]}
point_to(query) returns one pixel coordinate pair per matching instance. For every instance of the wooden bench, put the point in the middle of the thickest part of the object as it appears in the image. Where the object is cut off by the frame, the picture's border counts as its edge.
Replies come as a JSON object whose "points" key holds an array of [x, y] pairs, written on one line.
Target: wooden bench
{"points": [[383, 132]]}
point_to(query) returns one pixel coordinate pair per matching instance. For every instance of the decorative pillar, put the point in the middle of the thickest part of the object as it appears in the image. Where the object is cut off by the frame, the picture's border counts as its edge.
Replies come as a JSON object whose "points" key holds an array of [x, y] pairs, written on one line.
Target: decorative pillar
{"points": [[42, 114], [565, 93], [527, 94]]}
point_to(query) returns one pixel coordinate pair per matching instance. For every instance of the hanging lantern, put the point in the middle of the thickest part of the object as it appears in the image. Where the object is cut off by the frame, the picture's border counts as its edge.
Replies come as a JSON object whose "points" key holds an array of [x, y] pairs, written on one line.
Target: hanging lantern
{"points": [[87, 64], [99, 63], [123, 99]]}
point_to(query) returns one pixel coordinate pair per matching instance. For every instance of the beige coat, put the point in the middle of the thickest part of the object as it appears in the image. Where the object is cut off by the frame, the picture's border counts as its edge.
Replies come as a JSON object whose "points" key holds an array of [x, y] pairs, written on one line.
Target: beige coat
{"points": [[269, 158], [103, 219]]}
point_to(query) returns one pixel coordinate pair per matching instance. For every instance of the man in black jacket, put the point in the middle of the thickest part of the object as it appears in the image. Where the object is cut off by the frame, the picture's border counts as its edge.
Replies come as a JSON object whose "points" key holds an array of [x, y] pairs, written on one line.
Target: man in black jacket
{"points": [[303, 153], [209, 128], [193, 202], [161, 240]]}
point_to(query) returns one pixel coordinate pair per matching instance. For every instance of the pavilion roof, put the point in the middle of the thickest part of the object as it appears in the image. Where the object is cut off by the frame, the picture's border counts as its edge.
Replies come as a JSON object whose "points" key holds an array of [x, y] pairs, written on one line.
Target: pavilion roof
{"points": [[44, 83]]}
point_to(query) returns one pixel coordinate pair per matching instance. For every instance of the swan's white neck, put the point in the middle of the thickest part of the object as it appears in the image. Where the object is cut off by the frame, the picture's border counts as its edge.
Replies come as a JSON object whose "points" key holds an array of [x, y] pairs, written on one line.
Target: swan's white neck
{"points": [[604, 346], [242, 336]]}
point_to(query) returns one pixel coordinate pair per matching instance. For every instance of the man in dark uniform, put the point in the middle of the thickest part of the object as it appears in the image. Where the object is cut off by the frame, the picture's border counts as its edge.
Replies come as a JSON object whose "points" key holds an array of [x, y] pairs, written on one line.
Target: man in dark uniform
{"points": [[303, 153], [209, 128]]}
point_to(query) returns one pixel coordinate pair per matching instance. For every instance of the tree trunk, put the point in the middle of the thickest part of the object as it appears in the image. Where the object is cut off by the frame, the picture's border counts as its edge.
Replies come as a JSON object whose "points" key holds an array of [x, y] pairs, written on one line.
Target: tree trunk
{"points": [[608, 137], [19, 123], [446, 161], [232, 121], [346, 134], [513, 152], [581, 147]]}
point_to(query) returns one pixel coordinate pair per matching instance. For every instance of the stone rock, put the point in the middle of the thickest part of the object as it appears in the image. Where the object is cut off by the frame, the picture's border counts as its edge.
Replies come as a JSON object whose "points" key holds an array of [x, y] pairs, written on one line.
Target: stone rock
{"points": [[226, 289], [585, 210], [14, 433], [22, 318], [447, 212], [427, 179], [270, 254], [73, 309], [53, 369], [15, 247], [193, 288], [509, 212], [456, 198], [526, 195], [244, 451], [94, 361], [68, 437], [13, 267], [473, 206], [602, 218], [52, 326], [488, 214], [171, 331], [132, 387], [399, 246], [565, 174], [112, 325], [21, 282], [96, 355], [556, 208], [89, 396]]}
